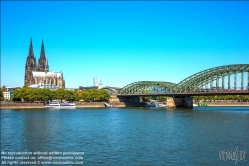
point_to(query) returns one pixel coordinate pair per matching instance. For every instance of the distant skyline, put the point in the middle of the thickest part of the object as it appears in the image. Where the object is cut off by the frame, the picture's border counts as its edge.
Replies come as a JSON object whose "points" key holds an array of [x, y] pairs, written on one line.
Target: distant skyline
{"points": [[120, 42]]}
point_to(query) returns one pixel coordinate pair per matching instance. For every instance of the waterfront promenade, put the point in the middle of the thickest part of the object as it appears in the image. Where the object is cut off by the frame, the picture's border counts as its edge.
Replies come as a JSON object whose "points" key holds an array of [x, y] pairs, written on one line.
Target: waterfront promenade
{"points": [[12, 105], [29, 105]]}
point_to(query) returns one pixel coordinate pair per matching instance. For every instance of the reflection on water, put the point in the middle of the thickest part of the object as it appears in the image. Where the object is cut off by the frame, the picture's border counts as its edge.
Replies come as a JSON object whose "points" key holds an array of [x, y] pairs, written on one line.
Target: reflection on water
{"points": [[131, 136]]}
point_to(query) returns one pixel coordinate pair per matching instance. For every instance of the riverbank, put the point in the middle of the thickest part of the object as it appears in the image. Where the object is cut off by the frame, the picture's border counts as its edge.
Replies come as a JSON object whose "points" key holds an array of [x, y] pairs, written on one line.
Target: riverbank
{"points": [[235, 104], [12, 105]]}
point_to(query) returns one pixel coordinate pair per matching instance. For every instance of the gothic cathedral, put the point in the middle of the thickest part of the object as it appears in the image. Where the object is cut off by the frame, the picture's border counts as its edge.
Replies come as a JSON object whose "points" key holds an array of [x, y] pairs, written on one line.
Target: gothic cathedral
{"points": [[40, 75]]}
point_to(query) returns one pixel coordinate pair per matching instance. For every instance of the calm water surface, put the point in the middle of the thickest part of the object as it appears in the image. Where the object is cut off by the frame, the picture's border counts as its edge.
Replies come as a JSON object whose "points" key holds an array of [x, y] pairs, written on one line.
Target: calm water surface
{"points": [[131, 136]]}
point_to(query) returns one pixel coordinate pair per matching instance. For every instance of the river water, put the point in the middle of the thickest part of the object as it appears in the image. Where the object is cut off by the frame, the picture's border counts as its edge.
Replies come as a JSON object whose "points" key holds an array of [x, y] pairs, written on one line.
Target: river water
{"points": [[132, 136]]}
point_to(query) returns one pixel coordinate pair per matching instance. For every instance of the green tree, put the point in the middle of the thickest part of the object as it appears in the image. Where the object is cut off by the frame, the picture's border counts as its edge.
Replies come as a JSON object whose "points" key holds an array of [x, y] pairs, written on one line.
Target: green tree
{"points": [[46, 94], [76, 96], [102, 95], [246, 98], [1, 93], [3, 88], [162, 98], [21, 94], [240, 98], [30, 95], [69, 95], [92, 94], [146, 98], [197, 98], [60, 94], [85, 96]]}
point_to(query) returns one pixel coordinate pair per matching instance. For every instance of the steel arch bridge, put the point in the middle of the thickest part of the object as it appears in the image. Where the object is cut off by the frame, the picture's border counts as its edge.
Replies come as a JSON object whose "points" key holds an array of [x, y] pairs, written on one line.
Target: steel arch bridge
{"points": [[205, 79], [110, 90], [147, 87], [217, 79]]}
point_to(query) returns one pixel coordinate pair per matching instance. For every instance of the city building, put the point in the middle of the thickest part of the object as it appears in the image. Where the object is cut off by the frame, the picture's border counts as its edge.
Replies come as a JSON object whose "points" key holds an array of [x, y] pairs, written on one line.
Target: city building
{"points": [[95, 82], [100, 85], [8, 88], [8, 93], [96, 85], [88, 87], [47, 86], [39, 75]]}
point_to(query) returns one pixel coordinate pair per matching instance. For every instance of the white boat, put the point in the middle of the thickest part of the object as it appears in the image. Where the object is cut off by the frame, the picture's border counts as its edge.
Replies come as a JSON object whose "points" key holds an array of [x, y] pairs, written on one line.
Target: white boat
{"points": [[151, 104], [56, 105], [154, 104], [161, 105], [195, 105]]}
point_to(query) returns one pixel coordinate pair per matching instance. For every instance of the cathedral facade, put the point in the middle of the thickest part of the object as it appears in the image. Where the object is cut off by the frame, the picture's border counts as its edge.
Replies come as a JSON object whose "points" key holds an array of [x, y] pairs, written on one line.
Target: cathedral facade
{"points": [[39, 74]]}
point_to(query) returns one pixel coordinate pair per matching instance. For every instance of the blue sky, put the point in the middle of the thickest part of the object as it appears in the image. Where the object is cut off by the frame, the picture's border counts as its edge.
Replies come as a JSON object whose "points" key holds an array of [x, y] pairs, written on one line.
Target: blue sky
{"points": [[123, 42]]}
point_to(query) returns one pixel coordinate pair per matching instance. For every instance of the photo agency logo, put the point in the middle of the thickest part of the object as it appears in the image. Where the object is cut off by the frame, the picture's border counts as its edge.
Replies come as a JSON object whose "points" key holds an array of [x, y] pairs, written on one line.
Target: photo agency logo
{"points": [[233, 155]]}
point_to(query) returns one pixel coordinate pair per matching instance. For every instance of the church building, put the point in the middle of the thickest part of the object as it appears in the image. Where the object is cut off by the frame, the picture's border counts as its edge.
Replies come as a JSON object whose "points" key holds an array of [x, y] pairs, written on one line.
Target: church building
{"points": [[39, 76]]}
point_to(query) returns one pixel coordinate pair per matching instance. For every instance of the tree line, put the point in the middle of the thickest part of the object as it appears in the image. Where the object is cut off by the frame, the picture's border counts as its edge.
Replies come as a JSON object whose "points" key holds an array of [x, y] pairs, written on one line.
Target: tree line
{"points": [[1, 92], [30, 94]]}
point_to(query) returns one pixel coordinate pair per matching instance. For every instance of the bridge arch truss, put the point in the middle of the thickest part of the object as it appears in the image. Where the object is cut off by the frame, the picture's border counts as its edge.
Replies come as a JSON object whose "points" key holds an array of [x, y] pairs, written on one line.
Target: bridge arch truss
{"points": [[218, 78], [111, 90], [147, 87]]}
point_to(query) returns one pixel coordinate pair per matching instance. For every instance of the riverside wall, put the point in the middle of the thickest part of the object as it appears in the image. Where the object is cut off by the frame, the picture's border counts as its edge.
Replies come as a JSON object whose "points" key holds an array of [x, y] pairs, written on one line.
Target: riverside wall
{"points": [[12, 105]]}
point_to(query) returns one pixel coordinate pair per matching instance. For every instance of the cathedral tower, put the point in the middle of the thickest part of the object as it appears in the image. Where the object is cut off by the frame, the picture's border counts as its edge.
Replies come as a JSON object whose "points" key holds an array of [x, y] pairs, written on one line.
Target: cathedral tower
{"points": [[30, 66], [43, 62], [39, 76]]}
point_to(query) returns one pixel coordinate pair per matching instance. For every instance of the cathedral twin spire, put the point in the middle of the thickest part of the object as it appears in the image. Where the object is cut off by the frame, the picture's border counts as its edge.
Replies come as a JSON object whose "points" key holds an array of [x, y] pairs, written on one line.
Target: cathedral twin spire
{"points": [[36, 73], [31, 63], [31, 52], [42, 62]]}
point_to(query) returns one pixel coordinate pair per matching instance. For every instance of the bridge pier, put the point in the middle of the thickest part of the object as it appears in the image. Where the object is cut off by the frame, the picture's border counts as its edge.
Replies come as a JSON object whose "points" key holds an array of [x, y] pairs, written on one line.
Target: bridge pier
{"points": [[188, 102], [173, 102], [127, 101], [170, 102]]}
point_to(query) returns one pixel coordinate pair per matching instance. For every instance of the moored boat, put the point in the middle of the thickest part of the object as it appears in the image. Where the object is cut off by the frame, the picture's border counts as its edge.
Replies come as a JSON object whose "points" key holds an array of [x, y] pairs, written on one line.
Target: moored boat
{"points": [[57, 105], [161, 105], [154, 104], [202, 104]]}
